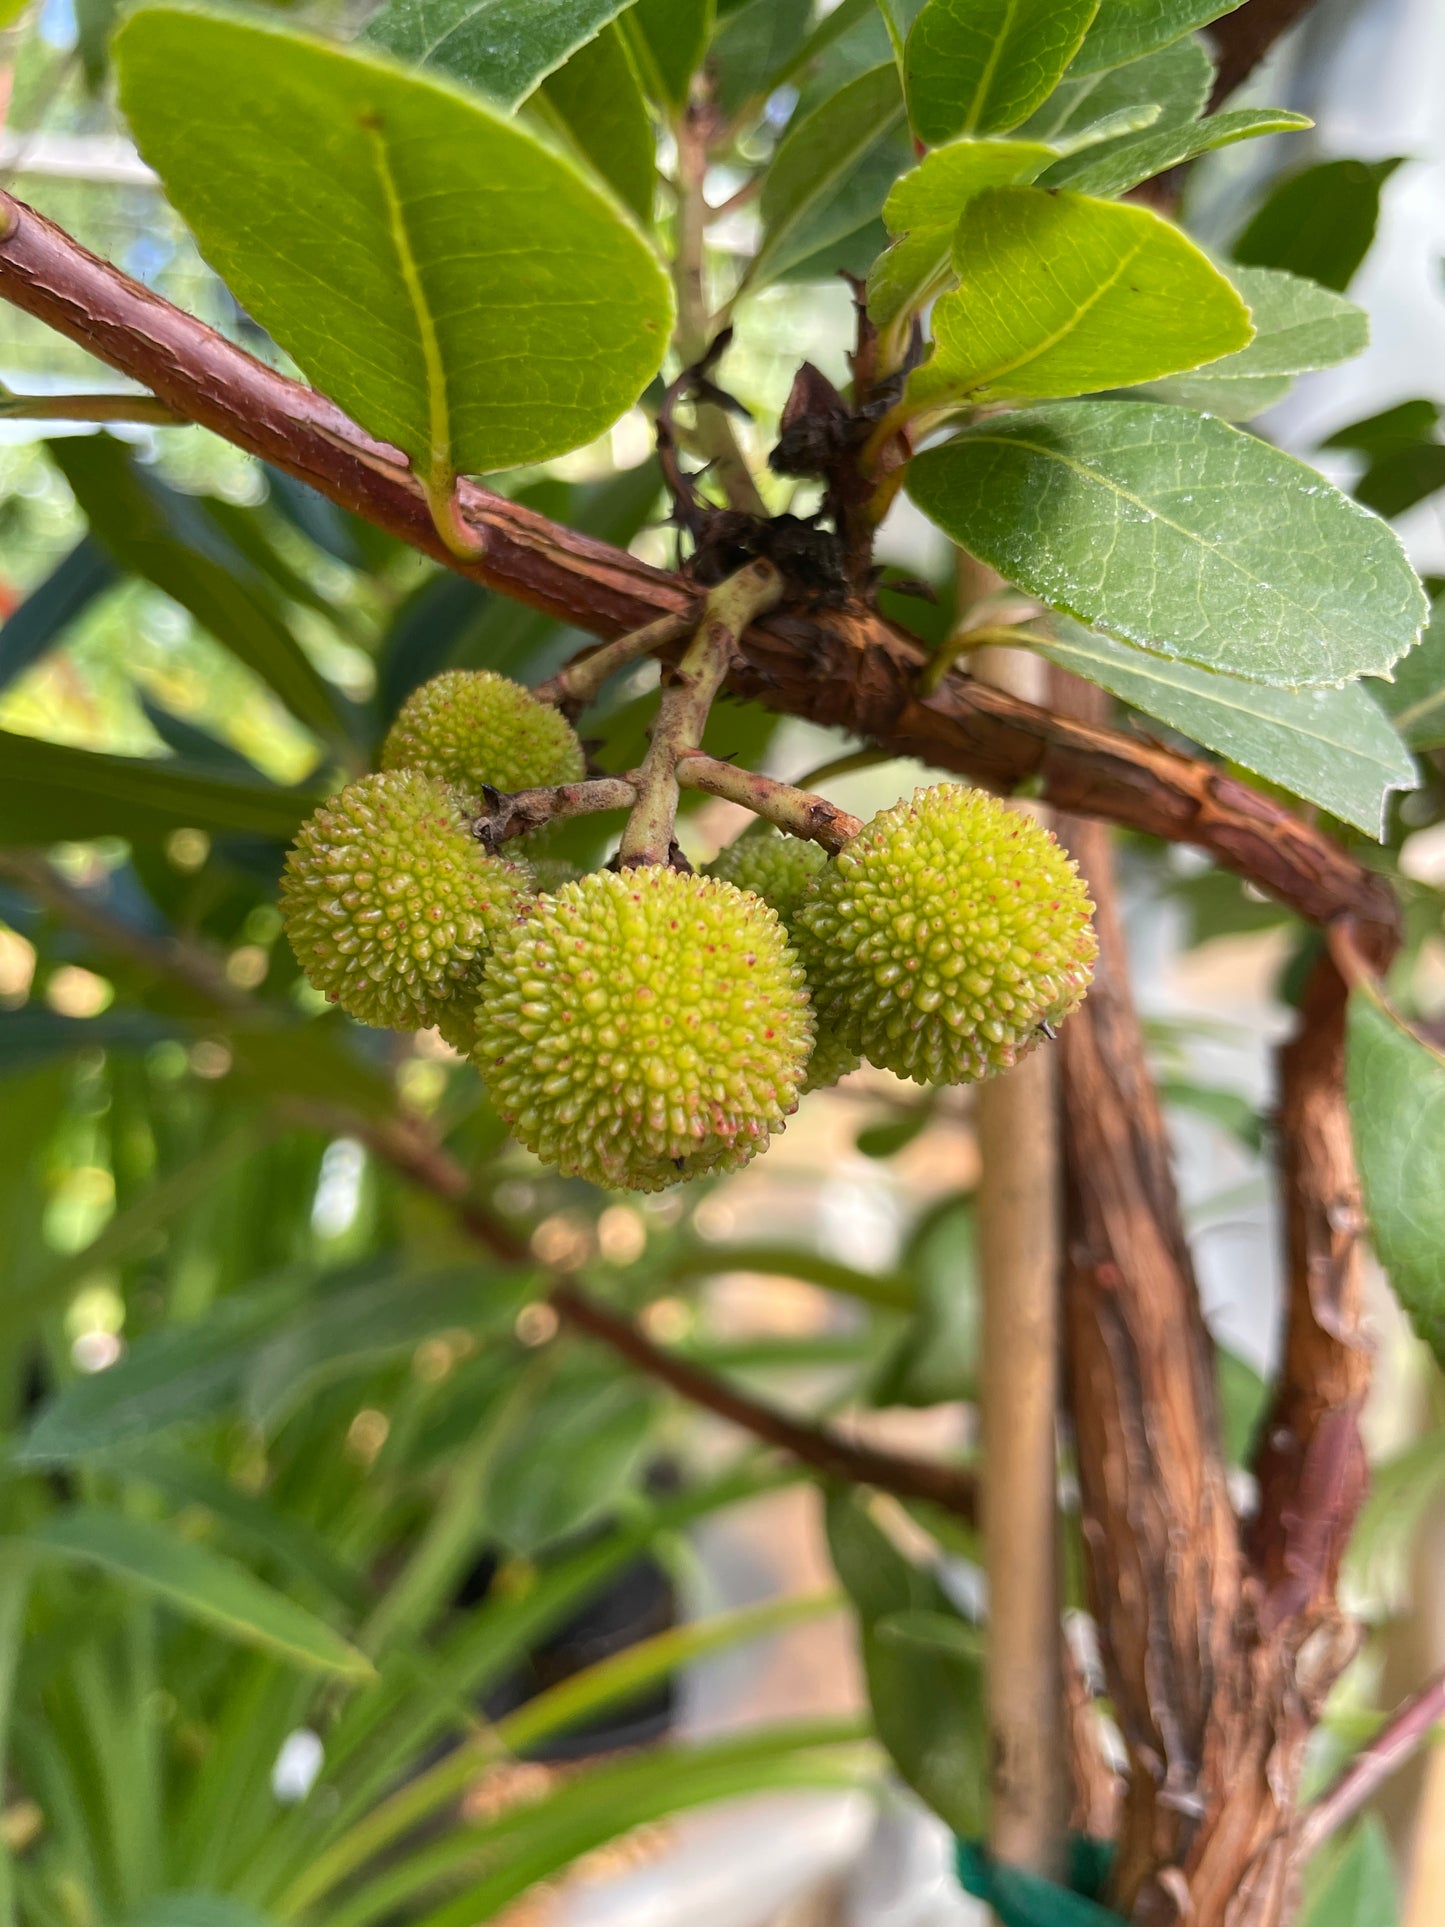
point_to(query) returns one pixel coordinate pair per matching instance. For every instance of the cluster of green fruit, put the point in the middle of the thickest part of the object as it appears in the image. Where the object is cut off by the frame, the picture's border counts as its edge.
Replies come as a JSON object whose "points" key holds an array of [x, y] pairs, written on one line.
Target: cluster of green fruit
{"points": [[646, 1025]]}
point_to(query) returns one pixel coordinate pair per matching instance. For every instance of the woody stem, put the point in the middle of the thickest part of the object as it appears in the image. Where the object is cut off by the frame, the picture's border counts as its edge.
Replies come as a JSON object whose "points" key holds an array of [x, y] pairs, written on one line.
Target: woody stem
{"points": [[686, 700]]}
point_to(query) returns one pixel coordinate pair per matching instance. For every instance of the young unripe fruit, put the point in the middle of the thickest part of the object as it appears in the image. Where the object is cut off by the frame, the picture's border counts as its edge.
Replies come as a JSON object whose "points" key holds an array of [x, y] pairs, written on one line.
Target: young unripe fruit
{"points": [[944, 937], [391, 903], [473, 728], [780, 869], [775, 867], [641, 1027]]}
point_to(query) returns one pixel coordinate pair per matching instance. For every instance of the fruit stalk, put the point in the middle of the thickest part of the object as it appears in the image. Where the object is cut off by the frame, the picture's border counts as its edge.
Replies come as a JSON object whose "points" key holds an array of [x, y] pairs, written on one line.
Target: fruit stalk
{"points": [[686, 699], [523, 810], [572, 688], [799, 812]]}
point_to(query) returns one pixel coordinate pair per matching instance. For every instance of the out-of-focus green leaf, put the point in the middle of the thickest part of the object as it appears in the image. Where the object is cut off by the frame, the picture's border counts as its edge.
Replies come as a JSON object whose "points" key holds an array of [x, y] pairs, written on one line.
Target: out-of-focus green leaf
{"points": [[1416, 698], [1181, 534], [195, 1909], [441, 273], [922, 213], [40, 623], [670, 38], [535, 1841], [1243, 1403], [196, 1582], [166, 537], [1298, 326], [936, 1359], [1318, 223], [36, 1035], [1330, 746], [1123, 30], [351, 1330], [1358, 1889], [1397, 482], [598, 102], [982, 66], [1059, 294], [927, 1699], [753, 45], [1396, 1084], [810, 191], [504, 48], [129, 1231], [50, 793], [568, 1458], [1390, 432]]}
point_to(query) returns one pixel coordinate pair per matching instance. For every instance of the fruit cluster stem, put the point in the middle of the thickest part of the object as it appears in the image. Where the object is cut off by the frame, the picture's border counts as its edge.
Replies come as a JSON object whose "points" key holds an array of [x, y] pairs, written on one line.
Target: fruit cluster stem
{"points": [[519, 811], [574, 687], [686, 699], [799, 812]]}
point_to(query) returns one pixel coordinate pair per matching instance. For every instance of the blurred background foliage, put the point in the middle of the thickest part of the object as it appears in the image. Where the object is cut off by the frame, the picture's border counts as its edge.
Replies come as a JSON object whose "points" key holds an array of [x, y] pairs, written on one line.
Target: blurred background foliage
{"points": [[316, 1525]]}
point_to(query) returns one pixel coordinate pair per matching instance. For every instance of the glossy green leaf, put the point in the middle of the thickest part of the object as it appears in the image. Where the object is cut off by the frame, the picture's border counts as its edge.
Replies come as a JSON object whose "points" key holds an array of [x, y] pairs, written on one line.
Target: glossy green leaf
{"points": [[199, 1583], [1179, 533], [40, 623], [1168, 88], [806, 198], [1060, 295], [922, 212], [448, 279], [1416, 698], [1359, 1889], [504, 48], [165, 537], [1123, 30], [49, 793], [1318, 223], [1298, 326], [927, 1699], [597, 101], [1396, 1084], [670, 38], [1126, 163], [982, 66], [1333, 747]]}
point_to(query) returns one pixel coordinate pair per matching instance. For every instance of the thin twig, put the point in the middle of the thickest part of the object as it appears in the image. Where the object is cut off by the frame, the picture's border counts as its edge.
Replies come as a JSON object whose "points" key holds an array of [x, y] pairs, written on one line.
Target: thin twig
{"points": [[572, 688], [517, 812], [1403, 1733], [799, 812]]}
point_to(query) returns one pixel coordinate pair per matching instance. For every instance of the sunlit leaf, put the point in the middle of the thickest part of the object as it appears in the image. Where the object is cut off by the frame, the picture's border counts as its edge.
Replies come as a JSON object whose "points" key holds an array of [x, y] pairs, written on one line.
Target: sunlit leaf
{"points": [[982, 66], [503, 47], [1181, 534]]}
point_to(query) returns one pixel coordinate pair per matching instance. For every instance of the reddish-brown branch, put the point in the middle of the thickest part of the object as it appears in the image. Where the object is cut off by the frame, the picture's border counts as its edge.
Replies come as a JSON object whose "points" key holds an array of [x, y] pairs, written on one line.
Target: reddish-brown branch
{"points": [[848, 668], [1159, 1528]]}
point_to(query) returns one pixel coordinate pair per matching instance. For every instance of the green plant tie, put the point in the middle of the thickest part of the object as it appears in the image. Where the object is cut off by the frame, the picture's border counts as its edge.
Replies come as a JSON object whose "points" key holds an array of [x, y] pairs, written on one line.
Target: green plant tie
{"points": [[1024, 1900]]}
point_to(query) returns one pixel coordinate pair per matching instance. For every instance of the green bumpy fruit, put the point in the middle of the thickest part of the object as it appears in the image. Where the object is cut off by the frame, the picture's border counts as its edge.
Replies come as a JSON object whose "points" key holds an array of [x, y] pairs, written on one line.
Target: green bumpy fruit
{"points": [[775, 867], [945, 935], [643, 1027], [390, 902], [780, 869], [476, 730]]}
